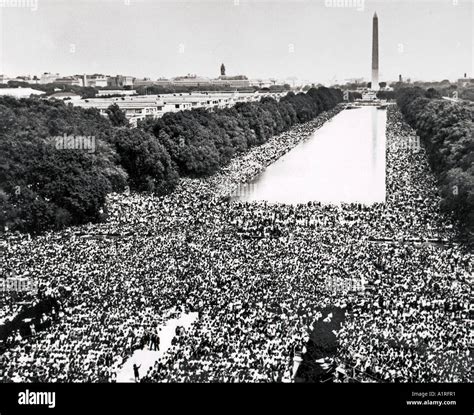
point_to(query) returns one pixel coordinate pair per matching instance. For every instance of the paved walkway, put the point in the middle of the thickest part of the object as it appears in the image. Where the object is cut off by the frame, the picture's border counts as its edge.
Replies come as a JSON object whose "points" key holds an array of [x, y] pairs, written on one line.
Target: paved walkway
{"points": [[146, 358]]}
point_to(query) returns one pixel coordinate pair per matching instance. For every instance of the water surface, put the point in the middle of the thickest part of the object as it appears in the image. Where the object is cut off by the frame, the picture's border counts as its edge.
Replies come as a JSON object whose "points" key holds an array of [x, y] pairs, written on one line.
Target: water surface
{"points": [[343, 161]]}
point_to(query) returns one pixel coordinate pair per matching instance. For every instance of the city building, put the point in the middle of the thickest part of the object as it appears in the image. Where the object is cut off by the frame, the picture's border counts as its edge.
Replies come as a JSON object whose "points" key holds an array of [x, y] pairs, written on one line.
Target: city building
{"points": [[140, 107], [369, 95], [162, 82], [28, 79], [48, 78], [239, 81], [69, 81], [180, 102], [95, 80], [236, 81], [136, 108], [143, 82], [120, 81], [110, 92], [4, 79], [464, 82], [190, 80], [261, 83]]}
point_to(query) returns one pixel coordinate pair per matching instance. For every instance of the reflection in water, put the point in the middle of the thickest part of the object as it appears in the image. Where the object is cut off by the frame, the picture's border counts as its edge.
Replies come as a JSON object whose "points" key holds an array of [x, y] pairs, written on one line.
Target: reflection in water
{"points": [[344, 161]]}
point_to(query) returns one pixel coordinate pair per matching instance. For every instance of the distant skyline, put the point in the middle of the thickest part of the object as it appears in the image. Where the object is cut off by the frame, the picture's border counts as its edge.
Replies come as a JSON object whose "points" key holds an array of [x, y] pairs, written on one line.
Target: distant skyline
{"points": [[312, 40]]}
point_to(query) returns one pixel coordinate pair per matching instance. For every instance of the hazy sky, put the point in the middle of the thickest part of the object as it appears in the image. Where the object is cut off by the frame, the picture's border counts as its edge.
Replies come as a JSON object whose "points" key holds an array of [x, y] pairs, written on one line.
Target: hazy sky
{"points": [[310, 39]]}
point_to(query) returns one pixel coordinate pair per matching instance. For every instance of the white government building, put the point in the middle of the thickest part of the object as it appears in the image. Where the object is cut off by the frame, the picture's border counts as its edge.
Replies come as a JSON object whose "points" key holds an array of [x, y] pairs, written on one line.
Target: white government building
{"points": [[141, 107]]}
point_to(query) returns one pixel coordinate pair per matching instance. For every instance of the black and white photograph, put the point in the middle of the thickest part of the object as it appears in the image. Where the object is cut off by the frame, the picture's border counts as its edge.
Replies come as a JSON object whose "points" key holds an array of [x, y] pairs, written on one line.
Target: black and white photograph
{"points": [[237, 191]]}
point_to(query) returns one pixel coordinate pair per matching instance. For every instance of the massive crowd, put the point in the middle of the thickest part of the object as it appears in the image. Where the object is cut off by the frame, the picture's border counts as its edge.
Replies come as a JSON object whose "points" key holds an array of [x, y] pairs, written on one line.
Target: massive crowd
{"points": [[258, 275]]}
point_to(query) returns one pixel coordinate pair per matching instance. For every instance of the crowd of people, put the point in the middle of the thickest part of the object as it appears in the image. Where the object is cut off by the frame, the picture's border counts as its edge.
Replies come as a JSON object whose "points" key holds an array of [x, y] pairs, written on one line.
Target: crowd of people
{"points": [[257, 275]]}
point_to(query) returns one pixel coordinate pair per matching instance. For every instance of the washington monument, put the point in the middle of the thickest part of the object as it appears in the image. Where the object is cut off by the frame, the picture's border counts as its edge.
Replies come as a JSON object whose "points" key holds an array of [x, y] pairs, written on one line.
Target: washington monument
{"points": [[375, 53]]}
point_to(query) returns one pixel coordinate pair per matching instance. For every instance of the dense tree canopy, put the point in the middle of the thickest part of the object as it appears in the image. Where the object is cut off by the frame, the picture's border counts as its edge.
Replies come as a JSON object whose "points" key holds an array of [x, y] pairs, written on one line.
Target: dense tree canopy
{"points": [[446, 129], [117, 116], [45, 185], [146, 161]]}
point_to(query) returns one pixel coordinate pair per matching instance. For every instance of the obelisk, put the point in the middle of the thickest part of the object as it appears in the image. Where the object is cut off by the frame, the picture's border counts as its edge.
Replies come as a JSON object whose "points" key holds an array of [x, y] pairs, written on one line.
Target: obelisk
{"points": [[375, 53]]}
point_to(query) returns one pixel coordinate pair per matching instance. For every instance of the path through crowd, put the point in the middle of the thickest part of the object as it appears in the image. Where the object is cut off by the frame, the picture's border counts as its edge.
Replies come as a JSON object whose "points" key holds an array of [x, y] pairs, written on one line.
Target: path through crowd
{"points": [[145, 358]]}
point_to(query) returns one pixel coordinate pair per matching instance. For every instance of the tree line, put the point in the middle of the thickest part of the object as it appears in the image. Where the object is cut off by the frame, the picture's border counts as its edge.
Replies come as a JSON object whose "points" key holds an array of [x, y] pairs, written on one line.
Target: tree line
{"points": [[201, 141], [45, 186], [446, 129]]}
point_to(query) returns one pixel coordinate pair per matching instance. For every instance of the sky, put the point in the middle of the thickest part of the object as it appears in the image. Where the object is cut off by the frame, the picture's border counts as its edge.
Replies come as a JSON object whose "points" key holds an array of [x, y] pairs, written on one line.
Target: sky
{"points": [[314, 40]]}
